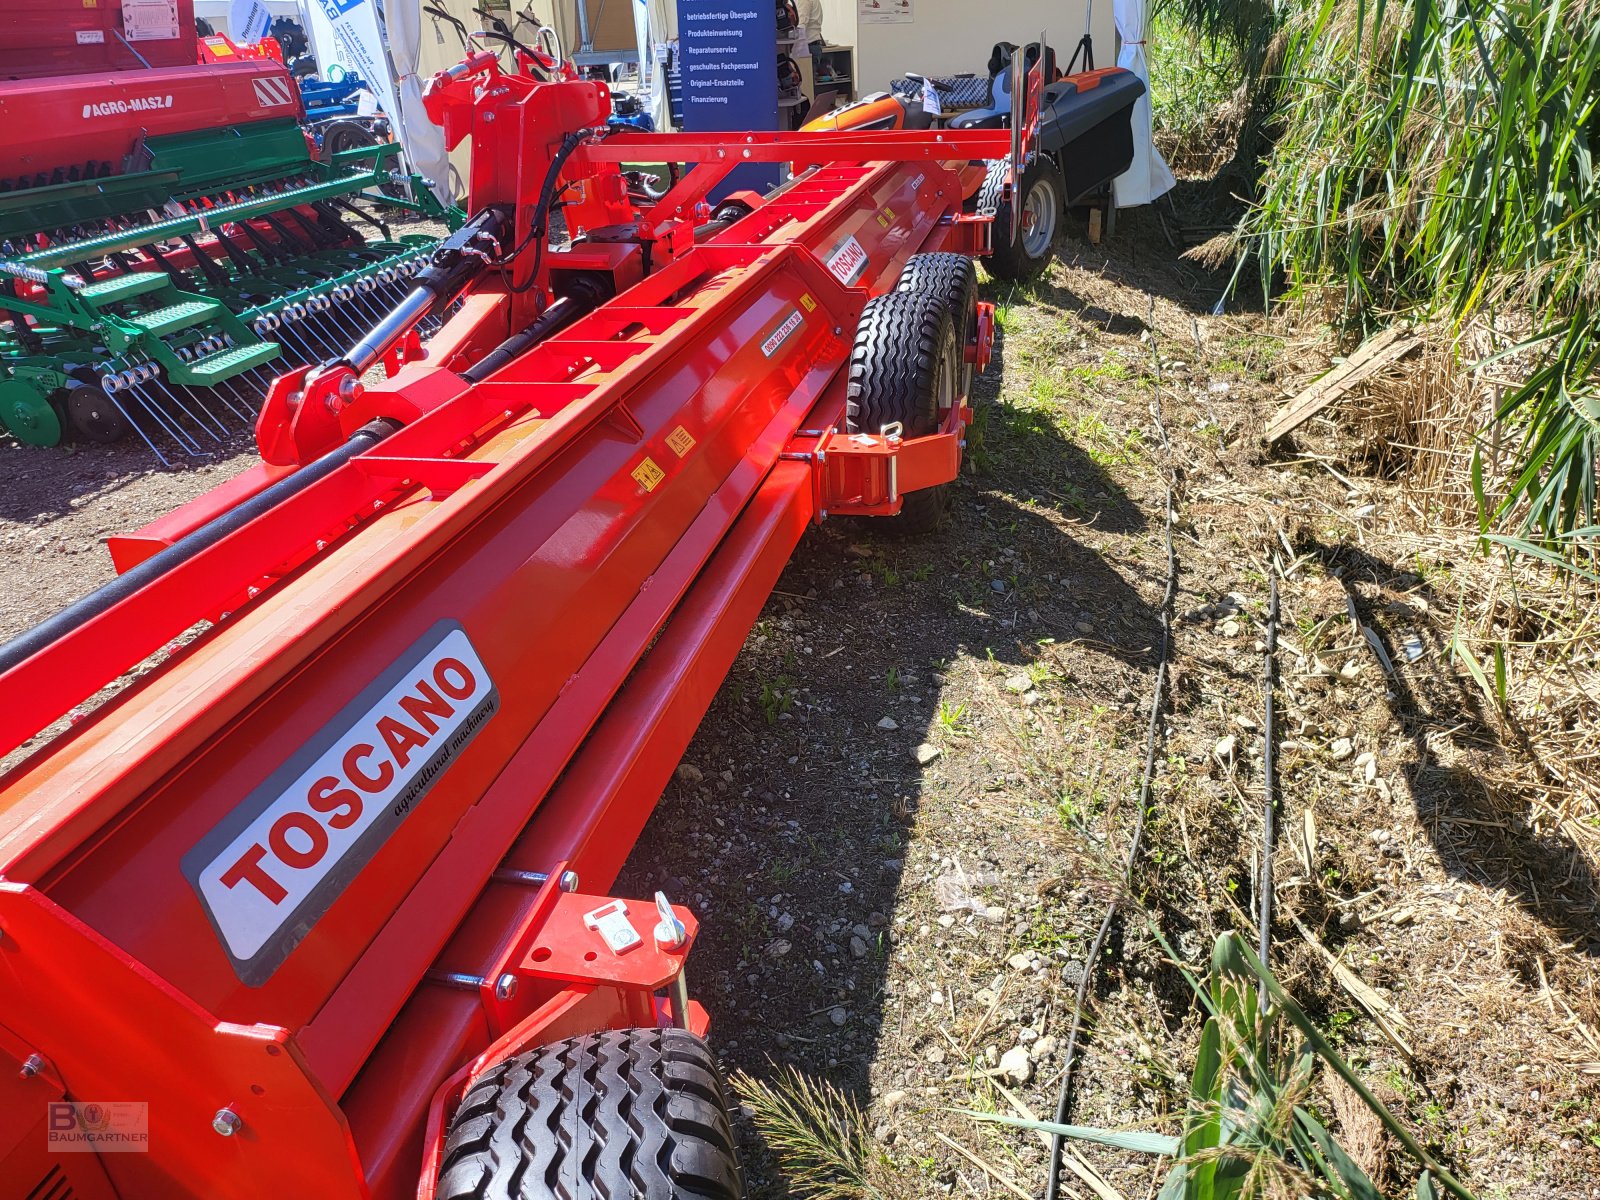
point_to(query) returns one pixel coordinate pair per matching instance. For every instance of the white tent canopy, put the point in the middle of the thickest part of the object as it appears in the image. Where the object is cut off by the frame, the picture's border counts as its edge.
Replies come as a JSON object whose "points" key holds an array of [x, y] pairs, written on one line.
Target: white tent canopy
{"points": [[423, 140], [1148, 178]]}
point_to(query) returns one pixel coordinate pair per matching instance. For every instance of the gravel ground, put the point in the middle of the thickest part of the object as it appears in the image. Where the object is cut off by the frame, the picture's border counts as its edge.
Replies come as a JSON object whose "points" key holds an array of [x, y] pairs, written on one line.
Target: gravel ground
{"points": [[901, 818], [57, 506]]}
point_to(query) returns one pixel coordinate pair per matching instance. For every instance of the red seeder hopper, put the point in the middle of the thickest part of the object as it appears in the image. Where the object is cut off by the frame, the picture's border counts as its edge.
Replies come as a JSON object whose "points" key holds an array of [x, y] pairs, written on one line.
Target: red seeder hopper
{"points": [[317, 905]]}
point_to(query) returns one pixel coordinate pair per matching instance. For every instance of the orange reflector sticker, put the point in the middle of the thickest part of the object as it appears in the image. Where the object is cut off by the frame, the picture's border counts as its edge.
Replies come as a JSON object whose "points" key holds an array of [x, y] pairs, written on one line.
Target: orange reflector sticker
{"points": [[648, 475]]}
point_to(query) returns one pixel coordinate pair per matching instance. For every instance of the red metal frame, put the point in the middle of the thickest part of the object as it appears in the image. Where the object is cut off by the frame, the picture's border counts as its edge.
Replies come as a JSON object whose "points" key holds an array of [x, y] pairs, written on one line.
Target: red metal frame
{"points": [[98, 118], [72, 37], [599, 521]]}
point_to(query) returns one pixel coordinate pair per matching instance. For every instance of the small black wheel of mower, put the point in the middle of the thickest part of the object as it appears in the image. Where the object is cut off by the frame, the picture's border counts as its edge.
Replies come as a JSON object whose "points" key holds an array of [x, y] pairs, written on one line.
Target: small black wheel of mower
{"points": [[954, 279], [1025, 252], [904, 370], [629, 1112]]}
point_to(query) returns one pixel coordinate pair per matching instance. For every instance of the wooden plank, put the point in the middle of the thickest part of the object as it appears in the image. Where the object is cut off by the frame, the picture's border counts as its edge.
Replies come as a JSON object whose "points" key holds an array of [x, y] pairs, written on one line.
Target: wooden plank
{"points": [[1376, 352]]}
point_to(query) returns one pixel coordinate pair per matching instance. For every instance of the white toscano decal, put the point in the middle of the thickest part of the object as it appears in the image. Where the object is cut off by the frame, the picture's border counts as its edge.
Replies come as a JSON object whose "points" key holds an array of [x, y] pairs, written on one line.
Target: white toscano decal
{"points": [[319, 822], [848, 262]]}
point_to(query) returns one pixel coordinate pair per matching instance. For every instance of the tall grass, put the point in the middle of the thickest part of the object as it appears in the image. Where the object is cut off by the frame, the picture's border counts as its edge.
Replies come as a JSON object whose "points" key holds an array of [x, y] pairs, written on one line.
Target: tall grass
{"points": [[1250, 1129], [1196, 93], [1436, 159]]}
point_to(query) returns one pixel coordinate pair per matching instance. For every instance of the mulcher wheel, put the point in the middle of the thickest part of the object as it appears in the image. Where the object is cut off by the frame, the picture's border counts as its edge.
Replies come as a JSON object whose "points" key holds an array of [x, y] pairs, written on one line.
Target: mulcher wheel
{"points": [[632, 1112], [1023, 253], [905, 369], [954, 279]]}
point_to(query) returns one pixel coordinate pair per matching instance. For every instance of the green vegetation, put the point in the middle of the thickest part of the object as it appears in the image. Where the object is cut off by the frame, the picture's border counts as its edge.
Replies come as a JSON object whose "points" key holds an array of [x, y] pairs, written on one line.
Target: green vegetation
{"points": [[1250, 1128], [1192, 77], [1435, 160], [818, 1132], [952, 718], [777, 697]]}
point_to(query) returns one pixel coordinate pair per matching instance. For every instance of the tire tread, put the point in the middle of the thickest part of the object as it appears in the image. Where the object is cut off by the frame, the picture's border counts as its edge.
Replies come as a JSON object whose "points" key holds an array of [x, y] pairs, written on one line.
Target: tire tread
{"points": [[1007, 259], [633, 1112], [894, 364]]}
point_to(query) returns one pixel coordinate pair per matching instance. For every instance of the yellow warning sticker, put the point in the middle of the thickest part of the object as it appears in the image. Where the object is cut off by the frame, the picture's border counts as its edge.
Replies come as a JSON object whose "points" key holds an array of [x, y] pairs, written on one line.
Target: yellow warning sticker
{"points": [[680, 441], [648, 475], [883, 220], [807, 303]]}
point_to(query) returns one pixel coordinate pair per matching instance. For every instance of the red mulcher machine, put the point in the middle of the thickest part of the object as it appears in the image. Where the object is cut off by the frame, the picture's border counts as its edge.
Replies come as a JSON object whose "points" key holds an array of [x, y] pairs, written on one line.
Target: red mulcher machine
{"points": [[316, 906]]}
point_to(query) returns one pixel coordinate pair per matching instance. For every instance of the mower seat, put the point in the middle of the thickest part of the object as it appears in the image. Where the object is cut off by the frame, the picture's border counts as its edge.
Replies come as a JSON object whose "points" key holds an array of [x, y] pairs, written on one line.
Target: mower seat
{"points": [[997, 112]]}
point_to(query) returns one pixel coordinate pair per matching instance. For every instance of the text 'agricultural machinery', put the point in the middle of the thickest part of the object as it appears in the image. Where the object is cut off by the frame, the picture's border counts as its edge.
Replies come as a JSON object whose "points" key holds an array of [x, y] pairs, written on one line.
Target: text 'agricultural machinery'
{"points": [[321, 893], [167, 234]]}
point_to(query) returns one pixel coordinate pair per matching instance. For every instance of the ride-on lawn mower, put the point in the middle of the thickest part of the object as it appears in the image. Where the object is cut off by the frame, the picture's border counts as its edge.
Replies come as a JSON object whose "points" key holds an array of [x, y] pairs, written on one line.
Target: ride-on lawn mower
{"points": [[1085, 140], [315, 904]]}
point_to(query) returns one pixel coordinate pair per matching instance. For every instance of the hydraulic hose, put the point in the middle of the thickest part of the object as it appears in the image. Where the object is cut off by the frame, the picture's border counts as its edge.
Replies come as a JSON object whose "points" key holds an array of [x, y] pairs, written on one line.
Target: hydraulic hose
{"points": [[585, 296], [73, 617]]}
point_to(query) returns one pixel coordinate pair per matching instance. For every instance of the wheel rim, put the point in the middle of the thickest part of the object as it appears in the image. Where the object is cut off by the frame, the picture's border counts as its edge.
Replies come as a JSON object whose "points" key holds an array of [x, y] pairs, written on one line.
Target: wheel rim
{"points": [[944, 384], [95, 415], [1039, 219]]}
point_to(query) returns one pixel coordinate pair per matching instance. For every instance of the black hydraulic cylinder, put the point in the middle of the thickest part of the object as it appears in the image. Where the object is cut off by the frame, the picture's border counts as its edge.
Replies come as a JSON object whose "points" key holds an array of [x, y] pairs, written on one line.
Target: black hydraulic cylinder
{"points": [[455, 263]]}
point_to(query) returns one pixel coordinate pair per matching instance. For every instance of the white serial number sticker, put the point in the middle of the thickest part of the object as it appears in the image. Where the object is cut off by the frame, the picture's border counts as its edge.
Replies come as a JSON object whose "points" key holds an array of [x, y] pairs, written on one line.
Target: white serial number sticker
{"points": [[780, 335], [269, 871]]}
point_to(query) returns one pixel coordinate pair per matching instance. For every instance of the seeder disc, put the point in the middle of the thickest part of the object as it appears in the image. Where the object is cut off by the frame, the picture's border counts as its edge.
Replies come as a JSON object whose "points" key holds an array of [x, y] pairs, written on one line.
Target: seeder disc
{"points": [[94, 416], [28, 415]]}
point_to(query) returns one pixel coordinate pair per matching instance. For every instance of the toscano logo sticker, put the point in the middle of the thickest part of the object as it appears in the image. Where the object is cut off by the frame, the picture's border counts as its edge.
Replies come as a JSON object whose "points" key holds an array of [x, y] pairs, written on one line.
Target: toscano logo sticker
{"points": [[276, 864]]}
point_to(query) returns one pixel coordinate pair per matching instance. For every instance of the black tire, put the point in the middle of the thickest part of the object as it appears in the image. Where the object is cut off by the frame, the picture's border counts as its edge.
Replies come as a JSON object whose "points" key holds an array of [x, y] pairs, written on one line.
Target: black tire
{"points": [[954, 279], [631, 1112], [1020, 253], [904, 366]]}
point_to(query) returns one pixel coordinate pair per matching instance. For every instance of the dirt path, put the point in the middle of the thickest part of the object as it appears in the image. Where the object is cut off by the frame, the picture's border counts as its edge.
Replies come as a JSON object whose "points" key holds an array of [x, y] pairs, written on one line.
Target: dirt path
{"points": [[903, 815], [57, 506]]}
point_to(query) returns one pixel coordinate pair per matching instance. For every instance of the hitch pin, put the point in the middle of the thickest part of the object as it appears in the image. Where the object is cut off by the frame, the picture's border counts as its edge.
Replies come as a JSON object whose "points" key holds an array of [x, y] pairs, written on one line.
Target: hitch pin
{"points": [[670, 934]]}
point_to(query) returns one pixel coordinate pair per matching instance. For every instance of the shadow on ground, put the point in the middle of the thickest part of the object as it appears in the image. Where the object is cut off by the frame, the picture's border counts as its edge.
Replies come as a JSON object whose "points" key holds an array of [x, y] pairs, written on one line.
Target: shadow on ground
{"points": [[787, 826], [45, 482], [1486, 837]]}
